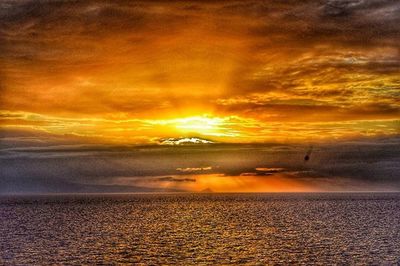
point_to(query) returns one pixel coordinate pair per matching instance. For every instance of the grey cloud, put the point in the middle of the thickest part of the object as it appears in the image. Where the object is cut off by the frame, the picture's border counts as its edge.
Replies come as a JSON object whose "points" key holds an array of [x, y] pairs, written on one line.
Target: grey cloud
{"points": [[373, 161]]}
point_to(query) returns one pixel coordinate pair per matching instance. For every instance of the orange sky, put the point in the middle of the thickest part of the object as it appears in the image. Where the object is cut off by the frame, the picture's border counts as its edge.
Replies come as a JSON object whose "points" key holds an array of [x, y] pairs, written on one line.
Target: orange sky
{"points": [[232, 71]]}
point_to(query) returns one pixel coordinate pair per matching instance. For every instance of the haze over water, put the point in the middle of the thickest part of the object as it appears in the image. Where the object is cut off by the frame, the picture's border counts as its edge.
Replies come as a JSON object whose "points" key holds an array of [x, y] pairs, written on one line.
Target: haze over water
{"points": [[314, 228]]}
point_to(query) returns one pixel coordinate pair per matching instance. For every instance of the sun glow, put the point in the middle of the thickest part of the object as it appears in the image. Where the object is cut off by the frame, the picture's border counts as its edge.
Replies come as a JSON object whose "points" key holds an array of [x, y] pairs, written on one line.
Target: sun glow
{"points": [[221, 183], [215, 128], [205, 125]]}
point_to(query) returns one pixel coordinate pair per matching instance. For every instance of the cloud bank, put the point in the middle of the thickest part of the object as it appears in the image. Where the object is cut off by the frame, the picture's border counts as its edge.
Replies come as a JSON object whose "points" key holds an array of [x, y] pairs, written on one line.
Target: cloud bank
{"points": [[353, 166]]}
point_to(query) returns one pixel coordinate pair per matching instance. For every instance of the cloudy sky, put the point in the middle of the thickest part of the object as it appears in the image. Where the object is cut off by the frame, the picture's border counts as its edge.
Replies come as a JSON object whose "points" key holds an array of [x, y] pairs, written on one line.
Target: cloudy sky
{"points": [[90, 90]]}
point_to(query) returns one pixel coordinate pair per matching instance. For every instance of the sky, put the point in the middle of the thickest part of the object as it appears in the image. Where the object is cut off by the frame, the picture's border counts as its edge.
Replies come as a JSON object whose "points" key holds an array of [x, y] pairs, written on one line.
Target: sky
{"points": [[142, 96]]}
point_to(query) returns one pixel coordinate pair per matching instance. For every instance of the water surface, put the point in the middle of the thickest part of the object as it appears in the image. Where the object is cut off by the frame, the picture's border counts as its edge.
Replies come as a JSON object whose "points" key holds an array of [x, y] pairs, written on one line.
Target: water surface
{"points": [[209, 229]]}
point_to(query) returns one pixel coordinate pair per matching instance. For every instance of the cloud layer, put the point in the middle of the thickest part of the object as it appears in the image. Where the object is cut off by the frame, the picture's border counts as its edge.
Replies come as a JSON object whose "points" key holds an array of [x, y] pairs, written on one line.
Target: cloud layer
{"points": [[272, 61]]}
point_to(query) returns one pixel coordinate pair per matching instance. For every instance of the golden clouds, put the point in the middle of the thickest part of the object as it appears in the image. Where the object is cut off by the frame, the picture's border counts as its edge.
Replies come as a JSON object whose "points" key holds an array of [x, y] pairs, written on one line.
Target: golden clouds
{"points": [[254, 71], [221, 129]]}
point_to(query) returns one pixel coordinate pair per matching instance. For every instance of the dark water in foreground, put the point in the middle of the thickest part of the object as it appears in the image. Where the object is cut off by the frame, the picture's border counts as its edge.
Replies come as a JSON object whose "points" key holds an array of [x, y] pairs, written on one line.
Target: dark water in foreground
{"points": [[201, 229]]}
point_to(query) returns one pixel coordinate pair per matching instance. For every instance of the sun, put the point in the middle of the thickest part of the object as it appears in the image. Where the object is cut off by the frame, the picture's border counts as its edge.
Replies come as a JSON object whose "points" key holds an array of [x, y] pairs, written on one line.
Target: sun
{"points": [[202, 124], [206, 125]]}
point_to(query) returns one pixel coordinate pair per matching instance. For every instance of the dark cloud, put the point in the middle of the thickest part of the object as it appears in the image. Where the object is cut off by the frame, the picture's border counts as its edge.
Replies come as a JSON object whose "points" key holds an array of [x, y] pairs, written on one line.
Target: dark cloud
{"points": [[311, 22], [175, 179]]}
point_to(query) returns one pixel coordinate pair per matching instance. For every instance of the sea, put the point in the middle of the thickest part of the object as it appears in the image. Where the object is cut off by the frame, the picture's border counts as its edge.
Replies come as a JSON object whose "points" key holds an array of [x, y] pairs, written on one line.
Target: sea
{"points": [[201, 229]]}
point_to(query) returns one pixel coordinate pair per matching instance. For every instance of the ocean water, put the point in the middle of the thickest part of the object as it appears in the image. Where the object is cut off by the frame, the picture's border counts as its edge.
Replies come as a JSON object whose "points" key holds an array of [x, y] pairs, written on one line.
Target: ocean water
{"points": [[206, 229]]}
